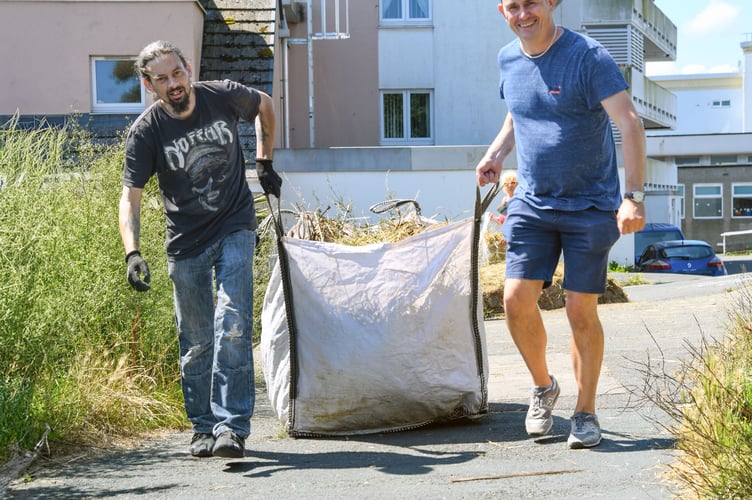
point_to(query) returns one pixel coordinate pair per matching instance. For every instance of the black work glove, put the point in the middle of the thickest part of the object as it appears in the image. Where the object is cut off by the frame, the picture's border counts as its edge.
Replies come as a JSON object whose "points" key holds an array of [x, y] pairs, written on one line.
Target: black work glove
{"points": [[270, 181], [136, 268]]}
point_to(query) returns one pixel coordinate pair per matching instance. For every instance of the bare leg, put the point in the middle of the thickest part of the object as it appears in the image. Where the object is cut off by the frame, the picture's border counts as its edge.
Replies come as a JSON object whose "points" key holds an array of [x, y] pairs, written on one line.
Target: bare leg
{"points": [[526, 325], [586, 347]]}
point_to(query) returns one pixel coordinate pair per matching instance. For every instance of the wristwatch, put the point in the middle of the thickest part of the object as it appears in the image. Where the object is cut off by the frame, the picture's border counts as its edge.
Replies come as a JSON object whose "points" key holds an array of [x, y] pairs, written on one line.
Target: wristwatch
{"points": [[635, 196]]}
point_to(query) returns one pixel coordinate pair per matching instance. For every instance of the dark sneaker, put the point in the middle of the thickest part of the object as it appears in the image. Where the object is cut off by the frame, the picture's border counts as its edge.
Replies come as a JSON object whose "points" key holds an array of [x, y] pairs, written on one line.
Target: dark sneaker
{"points": [[229, 445], [201, 445], [539, 419], [586, 431]]}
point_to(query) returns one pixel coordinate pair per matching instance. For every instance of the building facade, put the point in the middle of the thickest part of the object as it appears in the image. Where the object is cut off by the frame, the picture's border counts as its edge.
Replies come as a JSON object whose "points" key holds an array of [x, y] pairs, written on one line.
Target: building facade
{"points": [[79, 62], [712, 147], [399, 98]]}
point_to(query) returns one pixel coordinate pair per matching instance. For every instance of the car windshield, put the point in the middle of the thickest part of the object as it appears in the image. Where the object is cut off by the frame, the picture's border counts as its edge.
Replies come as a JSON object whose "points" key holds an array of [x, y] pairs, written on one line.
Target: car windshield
{"points": [[686, 252]]}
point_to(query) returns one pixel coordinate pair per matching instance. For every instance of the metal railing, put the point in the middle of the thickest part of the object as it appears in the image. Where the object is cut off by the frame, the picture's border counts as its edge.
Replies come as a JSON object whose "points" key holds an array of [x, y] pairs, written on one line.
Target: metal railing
{"points": [[732, 233]]}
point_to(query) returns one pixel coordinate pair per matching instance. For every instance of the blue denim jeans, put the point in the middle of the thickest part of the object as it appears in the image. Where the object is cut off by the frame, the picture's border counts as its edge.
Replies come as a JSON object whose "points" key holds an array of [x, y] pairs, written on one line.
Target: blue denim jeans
{"points": [[215, 334]]}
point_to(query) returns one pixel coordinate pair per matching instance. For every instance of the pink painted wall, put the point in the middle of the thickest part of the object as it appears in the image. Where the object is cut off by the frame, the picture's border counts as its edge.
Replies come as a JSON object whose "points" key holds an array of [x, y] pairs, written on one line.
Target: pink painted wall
{"points": [[46, 46], [346, 91]]}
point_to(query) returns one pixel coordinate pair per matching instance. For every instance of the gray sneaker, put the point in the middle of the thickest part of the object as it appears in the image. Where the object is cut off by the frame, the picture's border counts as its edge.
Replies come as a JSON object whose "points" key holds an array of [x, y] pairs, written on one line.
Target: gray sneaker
{"points": [[201, 445], [539, 419], [586, 431]]}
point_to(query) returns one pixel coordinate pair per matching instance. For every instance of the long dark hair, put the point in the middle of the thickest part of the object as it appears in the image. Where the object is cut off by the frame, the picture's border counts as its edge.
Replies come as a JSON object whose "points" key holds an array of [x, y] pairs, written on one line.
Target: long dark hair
{"points": [[151, 52]]}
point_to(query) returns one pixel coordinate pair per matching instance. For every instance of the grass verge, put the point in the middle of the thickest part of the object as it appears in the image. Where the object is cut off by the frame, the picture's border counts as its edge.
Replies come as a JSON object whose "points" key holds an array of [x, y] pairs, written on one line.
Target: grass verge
{"points": [[80, 350], [709, 404]]}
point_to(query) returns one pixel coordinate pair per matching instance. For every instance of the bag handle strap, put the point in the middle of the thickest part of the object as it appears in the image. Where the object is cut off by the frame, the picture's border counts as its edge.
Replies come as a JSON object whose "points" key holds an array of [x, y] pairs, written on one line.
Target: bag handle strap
{"points": [[482, 205], [276, 215], [387, 205]]}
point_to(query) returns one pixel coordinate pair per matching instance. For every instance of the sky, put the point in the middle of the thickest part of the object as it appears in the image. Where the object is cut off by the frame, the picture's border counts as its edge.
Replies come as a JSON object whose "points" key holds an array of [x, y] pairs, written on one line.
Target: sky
{"points": [[709, 35]]}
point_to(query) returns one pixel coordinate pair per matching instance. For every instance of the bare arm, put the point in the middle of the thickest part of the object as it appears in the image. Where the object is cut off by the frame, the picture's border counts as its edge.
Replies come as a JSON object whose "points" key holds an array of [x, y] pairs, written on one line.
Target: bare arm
{"points": [[489, 167], [631, 217], [129, 217], [265, 127]]}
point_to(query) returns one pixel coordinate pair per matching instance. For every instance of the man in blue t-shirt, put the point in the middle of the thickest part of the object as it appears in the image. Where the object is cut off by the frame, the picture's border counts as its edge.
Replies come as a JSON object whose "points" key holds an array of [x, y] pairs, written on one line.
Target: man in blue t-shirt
{"points": [[189, 139], [562, 90]]}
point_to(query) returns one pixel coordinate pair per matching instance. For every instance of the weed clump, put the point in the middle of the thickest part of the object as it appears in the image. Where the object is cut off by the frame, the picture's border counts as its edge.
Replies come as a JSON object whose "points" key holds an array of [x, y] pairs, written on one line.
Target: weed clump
{"points": [[709, 404]]}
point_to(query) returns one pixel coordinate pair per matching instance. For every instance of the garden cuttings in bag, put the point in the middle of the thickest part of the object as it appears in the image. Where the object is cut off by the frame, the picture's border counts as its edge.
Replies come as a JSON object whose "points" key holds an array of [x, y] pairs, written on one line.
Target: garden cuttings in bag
{"points": [[376, 337], [493, 246]]}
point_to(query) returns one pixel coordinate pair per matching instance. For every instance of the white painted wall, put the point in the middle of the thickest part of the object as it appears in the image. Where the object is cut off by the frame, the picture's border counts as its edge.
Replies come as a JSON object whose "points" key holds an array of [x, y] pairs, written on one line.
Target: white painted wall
{"points": [[442, 195], [406, 58], [695, 95], [467, 41], [456, 57]]}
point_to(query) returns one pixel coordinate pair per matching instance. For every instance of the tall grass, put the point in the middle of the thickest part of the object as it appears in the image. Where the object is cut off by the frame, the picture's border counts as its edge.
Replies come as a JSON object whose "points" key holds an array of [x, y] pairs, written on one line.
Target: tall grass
{"points": [[709, 403], [79, 350], [715, 430]]}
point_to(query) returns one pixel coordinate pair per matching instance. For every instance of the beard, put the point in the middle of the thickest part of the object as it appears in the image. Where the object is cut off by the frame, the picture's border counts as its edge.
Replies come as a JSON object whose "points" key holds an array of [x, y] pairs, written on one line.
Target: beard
{"points": [[180, 105]]}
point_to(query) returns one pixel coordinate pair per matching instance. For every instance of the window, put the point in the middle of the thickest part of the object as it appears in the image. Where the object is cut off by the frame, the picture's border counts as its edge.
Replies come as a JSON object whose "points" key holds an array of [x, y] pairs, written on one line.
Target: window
{"points": [[722, 159], [682, 200], [116, 88], [406, 10], [741, 200], [708, 201], [406, 117], [725, 103], [687, 160]]}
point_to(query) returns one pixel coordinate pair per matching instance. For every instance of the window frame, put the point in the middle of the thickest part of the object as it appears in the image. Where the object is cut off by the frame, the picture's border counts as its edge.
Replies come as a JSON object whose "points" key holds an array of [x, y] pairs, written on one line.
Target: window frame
{"points": [[681, 161], [696, 197], [114, 107], [742, 212], [681, 189], [723, 159], [407, 119], [405, 19]]}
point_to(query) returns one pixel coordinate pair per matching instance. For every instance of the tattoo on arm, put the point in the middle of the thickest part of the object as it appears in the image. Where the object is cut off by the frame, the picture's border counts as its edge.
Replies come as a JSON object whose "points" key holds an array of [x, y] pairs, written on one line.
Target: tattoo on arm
{"points": [[134, 224]]}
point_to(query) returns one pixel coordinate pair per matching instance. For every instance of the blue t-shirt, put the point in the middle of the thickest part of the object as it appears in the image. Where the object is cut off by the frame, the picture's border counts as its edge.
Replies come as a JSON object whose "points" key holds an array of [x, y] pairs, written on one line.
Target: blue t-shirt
{"points": [[199, 164], [565, 148]]}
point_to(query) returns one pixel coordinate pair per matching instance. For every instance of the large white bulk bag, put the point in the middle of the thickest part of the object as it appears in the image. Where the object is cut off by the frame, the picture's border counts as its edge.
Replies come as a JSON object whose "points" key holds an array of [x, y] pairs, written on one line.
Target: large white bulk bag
{"points": [[376, 338]]}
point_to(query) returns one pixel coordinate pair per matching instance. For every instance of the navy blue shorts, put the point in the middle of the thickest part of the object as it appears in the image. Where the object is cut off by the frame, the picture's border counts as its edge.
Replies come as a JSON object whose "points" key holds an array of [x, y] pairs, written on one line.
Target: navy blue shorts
{"points": [[536, 239]]}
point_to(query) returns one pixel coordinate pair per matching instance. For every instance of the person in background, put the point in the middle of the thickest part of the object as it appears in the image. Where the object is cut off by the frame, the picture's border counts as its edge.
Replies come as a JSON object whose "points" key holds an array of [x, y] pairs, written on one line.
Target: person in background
{"points": [[562, 90], [189, 139], [508, 185]]}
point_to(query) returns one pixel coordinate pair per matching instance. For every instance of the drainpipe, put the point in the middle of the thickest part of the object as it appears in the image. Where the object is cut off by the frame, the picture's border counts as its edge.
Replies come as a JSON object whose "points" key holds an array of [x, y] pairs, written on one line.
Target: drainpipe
{"points": [[309, 20]]}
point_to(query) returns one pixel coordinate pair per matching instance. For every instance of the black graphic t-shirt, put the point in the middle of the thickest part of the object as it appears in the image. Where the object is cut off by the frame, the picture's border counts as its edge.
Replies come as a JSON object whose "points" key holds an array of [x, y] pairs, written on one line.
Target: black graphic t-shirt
{"points": [[199, 164]]}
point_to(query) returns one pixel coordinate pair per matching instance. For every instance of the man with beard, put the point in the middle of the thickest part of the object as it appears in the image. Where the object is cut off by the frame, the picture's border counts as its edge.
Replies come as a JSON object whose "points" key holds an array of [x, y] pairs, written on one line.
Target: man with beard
{"points": [[189, 139]]}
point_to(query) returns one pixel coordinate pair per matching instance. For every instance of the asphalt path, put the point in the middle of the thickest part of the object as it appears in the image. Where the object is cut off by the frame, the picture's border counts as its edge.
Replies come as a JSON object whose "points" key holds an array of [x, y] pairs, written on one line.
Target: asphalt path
{"points": [[491, 457]]}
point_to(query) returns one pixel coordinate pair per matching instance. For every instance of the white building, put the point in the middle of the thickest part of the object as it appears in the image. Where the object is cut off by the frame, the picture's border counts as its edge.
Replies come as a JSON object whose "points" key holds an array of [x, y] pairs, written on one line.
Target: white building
{"points": [[712, 147]]}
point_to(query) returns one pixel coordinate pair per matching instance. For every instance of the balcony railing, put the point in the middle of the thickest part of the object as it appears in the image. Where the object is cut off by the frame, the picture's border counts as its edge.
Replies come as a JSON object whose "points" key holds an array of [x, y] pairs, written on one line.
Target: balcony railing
{"points": [[660, 33], [656, 105]]}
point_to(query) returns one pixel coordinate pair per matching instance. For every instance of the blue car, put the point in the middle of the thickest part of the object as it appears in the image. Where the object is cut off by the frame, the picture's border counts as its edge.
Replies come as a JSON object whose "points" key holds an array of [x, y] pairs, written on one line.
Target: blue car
{"points": [[681, 256]]}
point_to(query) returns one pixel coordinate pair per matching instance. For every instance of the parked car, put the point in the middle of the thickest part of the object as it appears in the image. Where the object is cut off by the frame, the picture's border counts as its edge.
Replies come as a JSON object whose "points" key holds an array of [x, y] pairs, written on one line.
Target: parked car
{"points": [[681, 256], [654, 232]]}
